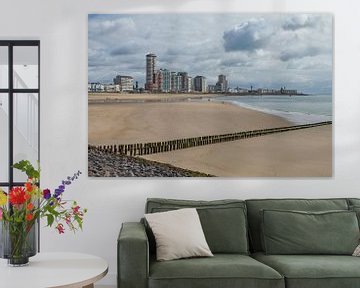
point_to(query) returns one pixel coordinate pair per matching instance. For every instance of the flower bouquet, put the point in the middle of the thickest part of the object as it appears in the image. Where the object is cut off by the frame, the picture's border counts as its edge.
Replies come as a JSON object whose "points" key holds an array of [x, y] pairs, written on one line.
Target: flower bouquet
{"points": [[21, 208]]}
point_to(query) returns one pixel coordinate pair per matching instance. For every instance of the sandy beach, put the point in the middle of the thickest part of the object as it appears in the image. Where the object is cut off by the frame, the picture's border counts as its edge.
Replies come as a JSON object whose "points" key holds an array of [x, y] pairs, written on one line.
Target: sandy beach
{"points": [[125, 123], [303, 153]]}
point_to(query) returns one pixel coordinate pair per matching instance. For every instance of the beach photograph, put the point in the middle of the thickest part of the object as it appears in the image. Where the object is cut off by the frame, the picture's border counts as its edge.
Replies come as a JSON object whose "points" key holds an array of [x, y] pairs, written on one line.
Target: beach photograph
{"points": [[210, 95]]}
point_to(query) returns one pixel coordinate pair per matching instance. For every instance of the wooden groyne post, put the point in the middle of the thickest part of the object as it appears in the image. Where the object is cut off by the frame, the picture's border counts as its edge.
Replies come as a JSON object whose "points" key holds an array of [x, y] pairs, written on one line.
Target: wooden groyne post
{"points": [[138, 149]]}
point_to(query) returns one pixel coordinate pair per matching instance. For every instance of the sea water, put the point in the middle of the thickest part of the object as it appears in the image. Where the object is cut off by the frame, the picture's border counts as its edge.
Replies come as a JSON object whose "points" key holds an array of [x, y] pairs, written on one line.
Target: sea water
{"points": [[299, 109]]}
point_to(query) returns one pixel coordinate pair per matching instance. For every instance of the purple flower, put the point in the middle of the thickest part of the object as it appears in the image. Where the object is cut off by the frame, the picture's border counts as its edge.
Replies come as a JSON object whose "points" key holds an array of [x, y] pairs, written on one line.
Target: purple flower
{"points": [[64, 183], [46, 194], [58, 192]]}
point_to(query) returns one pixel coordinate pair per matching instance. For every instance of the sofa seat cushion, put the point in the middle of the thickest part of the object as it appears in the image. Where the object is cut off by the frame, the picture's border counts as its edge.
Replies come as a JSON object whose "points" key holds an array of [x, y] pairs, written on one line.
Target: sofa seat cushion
{"points": [[222, 270], [313, 271]]}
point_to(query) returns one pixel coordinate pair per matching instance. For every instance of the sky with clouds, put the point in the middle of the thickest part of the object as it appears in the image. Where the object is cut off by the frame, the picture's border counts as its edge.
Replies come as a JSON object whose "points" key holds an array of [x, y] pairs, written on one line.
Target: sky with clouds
{"points": [[259, 50]]}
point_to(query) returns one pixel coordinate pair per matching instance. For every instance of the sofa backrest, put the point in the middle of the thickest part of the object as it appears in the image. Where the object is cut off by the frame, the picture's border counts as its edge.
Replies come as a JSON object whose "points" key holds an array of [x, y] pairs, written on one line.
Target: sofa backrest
{"points": [[256, 205], [223, 221]]}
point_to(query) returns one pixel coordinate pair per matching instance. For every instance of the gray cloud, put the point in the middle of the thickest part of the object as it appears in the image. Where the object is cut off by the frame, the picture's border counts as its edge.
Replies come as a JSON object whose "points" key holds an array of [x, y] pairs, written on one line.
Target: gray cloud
{"points": [[300, 21], [290, 54], [105, 25], [126, 49], [247, 36], [251, 49]]}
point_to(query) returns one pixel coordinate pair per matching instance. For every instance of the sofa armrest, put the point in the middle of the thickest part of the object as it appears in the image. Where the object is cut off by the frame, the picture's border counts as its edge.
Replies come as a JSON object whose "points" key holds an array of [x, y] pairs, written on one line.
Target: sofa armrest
{"points": [[133, 256]]}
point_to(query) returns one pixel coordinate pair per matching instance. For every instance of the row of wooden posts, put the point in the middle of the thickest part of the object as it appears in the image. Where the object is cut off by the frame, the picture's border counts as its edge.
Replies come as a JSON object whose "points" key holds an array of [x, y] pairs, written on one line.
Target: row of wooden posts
{"points": [[165, 146]]}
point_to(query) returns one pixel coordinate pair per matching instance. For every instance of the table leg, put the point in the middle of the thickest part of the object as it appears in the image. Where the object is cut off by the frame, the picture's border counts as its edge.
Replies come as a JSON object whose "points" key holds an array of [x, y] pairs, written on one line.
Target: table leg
{"points": [[89, 286]]}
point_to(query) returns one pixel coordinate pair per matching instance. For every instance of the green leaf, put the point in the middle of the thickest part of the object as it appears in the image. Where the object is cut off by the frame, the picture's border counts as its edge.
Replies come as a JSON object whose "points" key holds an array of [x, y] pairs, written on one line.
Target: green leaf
{"points": [[26, 167], [53, 211], [50, 219]]}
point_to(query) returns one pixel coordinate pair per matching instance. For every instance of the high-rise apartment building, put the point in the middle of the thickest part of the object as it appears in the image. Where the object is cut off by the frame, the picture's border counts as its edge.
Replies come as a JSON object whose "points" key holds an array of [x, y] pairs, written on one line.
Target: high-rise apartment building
{"points": [[222, 84], [190, 84], [162, 80], [200, 84], [173, 81], [184, 86], [165, 84], [157, 81], [150, 72]]}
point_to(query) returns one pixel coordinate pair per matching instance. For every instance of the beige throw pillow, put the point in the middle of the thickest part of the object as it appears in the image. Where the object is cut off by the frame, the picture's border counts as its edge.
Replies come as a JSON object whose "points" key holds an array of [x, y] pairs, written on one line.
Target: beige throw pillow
{"points": [[178, 234], [357, 251]]}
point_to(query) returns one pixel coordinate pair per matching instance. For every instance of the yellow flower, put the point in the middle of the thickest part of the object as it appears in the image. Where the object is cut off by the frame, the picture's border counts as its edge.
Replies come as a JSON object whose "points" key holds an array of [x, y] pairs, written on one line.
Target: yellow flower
{"points": [[3, 198]]}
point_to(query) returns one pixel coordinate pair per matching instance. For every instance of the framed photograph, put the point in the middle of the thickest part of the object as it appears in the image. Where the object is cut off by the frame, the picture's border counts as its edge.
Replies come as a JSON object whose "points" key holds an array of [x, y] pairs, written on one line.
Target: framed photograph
{"points": [[202, 95]]}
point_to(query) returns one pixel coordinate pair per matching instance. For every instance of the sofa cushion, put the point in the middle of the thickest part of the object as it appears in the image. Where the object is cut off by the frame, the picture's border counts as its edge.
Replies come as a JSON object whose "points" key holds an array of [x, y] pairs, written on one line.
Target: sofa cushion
{"points": [[297, 232], [356, 209], [178, 234], [223, 221], [353, 201], [222, 270], [254, 216], [313, 271]]}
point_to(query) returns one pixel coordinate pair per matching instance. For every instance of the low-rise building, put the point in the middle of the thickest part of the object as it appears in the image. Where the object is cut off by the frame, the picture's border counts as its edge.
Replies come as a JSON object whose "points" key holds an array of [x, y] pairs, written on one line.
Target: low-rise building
{"points": [[288, 91], [96, 87], [112, 88], [126, 83]]}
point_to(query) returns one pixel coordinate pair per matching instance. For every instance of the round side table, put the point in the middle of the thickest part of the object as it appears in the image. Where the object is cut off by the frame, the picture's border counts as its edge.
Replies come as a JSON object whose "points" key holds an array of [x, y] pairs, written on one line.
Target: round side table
{"points": [[50, 270]]}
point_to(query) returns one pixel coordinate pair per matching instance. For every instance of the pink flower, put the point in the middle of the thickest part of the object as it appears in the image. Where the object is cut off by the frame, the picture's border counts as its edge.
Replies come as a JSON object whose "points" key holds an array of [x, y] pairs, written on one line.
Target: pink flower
{"points": [[75, 209], [1, 212], [60, 228], [68, 219]]}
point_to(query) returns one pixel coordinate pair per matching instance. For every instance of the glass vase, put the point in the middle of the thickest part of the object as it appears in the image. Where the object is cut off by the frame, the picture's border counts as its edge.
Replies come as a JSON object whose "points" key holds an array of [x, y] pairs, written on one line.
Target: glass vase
{"points": [[18, 242]]}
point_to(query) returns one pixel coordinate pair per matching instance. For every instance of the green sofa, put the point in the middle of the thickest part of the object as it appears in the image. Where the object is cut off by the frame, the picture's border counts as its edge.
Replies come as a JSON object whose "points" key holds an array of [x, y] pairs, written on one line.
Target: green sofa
{"points": [[237, 233]]}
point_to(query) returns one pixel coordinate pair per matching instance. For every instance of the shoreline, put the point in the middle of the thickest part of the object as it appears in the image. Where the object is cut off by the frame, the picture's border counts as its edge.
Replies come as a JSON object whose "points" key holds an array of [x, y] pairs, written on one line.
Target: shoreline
{"points": [[107, 97], [297, 118], [118, 98]]}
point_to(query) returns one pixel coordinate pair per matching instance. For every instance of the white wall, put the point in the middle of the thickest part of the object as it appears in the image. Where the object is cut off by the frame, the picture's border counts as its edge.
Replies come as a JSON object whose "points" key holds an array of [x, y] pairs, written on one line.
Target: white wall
{"points": [[61, 25]]}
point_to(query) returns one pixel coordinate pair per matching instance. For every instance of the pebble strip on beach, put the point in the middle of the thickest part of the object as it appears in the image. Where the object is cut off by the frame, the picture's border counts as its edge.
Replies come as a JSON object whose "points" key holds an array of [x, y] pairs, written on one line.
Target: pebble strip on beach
{"points": [[101, 164]]}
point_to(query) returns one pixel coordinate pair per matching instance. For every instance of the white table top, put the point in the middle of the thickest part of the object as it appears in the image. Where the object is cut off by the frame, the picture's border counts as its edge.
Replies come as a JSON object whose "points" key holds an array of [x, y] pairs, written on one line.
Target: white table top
{"points": [[45, 270]]}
